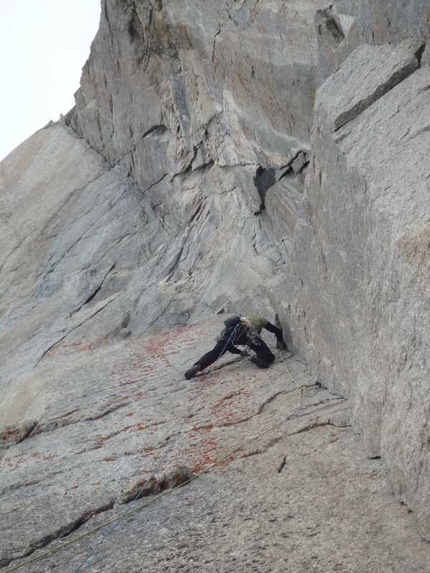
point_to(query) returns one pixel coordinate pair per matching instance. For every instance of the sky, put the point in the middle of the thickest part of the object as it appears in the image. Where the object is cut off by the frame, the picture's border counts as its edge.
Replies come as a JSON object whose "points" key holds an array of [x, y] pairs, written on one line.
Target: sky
{"points": [[43, 47]]}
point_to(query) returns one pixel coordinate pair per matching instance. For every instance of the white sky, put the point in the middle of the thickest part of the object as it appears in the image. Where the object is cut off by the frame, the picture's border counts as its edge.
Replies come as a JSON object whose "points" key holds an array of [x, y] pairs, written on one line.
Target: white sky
{"points": [[43, 47]]}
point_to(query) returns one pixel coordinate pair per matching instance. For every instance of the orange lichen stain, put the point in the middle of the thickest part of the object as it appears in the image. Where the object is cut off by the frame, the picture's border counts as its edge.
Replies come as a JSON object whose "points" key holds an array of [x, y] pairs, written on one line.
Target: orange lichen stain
{"points": [[153, 353], [148, 450], [205, 428], [50, 457], [127, 382], [128, 428], [14, 463], [204, 463], [335, 436], [10, 434]]}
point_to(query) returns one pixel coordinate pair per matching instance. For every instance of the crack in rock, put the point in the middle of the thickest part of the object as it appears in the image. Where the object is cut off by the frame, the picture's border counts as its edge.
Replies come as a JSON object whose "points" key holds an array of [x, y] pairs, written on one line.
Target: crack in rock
{"points": [[60, 533], [314, 425], [155, 485], [75, 328], [230, 18], [62, 422], [282, 465], [96, 291], [275, 440], [13, 435]]}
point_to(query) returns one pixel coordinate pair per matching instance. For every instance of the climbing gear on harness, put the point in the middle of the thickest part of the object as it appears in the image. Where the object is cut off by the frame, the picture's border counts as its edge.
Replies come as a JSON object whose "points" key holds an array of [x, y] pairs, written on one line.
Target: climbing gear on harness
{"points": [[192, 371], [230, 325], [252, 335]]}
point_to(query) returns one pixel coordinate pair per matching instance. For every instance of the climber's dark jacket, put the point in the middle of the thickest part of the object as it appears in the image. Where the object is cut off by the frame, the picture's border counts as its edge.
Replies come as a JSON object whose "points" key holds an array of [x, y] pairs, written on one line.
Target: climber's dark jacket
{"points": [[242, 331]]}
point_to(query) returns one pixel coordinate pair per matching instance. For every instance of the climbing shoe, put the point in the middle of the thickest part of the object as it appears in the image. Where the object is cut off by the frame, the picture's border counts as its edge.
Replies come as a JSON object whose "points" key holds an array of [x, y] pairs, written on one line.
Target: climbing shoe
{"points": [[192, 371], [258, 362]]}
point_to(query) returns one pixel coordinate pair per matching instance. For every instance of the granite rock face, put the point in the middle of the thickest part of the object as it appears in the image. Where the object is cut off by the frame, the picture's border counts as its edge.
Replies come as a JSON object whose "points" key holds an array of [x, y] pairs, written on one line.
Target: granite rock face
{"points": [[243, 155], [359, 284], [228, 82], [344, 25], [108, 442], [186, 115]]}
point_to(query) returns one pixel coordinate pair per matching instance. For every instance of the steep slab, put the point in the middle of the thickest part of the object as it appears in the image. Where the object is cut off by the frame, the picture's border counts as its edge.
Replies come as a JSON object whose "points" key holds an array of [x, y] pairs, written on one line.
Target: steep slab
{"points": [[276, 503], [88, 253], [104, 421]]}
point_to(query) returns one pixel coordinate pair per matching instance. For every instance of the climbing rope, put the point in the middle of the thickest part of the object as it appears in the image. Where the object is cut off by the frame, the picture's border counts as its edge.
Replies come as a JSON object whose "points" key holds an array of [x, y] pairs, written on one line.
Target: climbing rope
{"points": [[130, 512], [159, 465], [115, 522], [299, 387]]}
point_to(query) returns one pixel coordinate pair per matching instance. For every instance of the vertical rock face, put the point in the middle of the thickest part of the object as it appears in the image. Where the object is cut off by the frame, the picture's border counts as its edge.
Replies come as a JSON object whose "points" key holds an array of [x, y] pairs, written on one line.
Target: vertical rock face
{"points": [[345, 24], [359, 286], [383, 22], [183, 108], [233, 81], [195, 172]]}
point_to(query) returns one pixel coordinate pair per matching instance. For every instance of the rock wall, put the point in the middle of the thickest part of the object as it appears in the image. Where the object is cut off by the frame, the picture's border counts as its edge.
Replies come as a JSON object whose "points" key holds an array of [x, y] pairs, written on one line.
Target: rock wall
{"points": [[195, 173], [387, 22], [345, 24], [229, 82], [186, 114], [358, 304]]}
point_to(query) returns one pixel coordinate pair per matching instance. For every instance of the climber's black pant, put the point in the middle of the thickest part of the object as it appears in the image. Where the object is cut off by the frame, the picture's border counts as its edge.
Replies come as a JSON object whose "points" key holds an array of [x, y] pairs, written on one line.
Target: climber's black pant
{"points": [[264, 356], [263, 352]]}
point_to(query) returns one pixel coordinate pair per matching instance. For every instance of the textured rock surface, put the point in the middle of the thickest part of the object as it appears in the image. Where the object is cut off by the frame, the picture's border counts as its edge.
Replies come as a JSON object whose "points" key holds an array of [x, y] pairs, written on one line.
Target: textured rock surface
{"points": [[366, 77], [359, 304], [383, 22], [231, 80], [302, 496], [87, 252], [146, 218], [344, 25], [187, 180]]}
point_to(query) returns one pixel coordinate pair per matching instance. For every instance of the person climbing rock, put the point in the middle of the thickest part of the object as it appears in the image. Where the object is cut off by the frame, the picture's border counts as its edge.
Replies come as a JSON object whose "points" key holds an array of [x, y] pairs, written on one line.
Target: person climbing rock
{"points": [[242, 331]]}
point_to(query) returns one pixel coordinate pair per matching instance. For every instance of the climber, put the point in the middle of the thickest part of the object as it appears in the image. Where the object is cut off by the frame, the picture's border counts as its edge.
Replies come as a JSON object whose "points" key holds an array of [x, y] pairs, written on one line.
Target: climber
{"points": [[244, 331]]}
